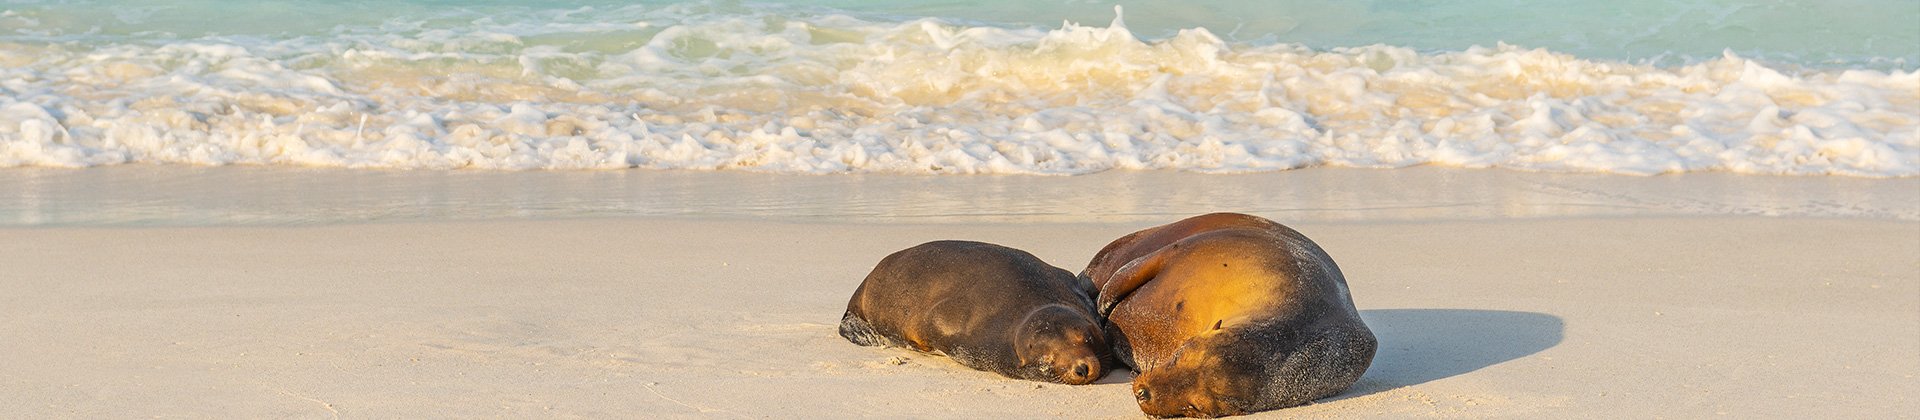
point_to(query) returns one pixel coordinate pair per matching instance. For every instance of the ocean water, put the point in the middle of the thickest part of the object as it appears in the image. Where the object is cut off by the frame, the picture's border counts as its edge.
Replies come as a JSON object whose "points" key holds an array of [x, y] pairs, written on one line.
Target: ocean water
{"points": [[1792, 87]]}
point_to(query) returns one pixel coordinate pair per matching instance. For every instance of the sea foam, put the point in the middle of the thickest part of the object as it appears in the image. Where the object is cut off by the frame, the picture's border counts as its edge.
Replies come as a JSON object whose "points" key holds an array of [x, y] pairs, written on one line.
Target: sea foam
{"points": [[760, 89]]}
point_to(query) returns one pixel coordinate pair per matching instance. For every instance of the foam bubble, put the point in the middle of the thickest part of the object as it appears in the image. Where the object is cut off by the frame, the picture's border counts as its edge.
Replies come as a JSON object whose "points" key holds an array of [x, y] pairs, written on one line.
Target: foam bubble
{"points": [[691, 87]]}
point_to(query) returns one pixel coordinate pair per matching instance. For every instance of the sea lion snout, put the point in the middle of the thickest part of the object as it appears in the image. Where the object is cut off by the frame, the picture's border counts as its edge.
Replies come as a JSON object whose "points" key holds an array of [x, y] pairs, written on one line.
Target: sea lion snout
{"points": [[1084, 370], [1070, 365], [1160, 404], [1195, 383], [1175, 402]]}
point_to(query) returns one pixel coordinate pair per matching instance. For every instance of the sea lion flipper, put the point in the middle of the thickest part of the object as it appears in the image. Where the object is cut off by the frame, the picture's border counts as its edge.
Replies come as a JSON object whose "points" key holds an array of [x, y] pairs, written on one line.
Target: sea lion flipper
{"points": [[1086, 285], [1128, 278], [858, 331]]}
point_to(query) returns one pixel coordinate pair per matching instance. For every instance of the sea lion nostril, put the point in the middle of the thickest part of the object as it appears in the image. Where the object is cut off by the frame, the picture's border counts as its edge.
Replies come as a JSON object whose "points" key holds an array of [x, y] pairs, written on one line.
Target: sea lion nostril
{"points": [[1080, 370]]}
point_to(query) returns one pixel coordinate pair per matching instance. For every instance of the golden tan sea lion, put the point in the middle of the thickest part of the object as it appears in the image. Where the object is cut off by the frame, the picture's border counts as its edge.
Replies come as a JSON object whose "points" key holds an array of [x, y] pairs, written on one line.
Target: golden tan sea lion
{"points": [[1226, 314], [987, 306]]}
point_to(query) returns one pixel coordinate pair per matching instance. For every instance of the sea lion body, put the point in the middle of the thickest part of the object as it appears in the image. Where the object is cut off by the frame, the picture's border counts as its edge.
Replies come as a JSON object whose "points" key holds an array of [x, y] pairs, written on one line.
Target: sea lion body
{"points": [[989, 307], [1226, 314]]}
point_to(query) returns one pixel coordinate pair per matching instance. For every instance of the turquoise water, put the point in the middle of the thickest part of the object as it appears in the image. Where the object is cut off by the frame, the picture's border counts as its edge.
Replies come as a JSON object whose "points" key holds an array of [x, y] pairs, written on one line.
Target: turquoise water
{"points": [[1801, 31], [1810, 32]]}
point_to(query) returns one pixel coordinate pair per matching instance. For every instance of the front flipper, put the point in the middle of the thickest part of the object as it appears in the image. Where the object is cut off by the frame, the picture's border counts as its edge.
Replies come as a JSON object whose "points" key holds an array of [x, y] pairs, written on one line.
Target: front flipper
{"points": [[1130, 277]]}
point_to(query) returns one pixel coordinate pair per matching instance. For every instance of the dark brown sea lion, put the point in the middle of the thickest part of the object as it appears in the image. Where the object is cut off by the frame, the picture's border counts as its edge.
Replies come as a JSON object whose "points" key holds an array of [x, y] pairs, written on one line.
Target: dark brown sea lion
{"points": [[1226, 314], [989, 307]]}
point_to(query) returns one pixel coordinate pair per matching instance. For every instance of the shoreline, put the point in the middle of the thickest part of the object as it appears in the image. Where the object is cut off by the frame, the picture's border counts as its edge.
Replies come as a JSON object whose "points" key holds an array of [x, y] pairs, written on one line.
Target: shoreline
{"points": [[162, 195]]}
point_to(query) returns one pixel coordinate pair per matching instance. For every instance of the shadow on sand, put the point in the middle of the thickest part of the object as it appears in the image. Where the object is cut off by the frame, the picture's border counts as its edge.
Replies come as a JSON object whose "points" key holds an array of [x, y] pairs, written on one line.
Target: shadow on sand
{"points": [[1421, 345]]}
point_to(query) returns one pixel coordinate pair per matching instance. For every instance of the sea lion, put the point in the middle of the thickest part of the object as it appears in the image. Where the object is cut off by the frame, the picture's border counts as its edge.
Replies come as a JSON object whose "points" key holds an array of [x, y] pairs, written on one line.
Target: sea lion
{"points": [[1227, 314], [987, 306]]}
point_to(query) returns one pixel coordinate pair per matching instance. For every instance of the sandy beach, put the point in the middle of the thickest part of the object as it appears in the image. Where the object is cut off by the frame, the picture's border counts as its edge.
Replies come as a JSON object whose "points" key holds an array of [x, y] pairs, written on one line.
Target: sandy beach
{"points": [[659, 209], [674, 317]]}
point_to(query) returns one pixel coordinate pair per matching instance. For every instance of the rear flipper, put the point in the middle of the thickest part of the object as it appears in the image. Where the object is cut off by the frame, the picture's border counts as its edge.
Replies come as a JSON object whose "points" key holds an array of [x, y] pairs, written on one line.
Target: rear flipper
{"points": [[860, 332]]}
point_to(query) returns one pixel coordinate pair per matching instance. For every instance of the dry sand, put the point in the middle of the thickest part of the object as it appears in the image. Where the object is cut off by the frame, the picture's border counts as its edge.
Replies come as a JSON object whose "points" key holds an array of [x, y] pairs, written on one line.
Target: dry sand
{"points": [[1639, 317]]}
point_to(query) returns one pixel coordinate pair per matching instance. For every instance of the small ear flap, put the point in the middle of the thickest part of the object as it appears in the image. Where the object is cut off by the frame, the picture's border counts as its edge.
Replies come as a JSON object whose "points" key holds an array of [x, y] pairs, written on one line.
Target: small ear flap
{"points": [[1216, 323]]}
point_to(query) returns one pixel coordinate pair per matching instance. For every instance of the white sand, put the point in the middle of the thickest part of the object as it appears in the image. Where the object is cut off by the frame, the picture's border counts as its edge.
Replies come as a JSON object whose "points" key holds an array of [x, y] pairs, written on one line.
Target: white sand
{"points": [[1569, 317]]}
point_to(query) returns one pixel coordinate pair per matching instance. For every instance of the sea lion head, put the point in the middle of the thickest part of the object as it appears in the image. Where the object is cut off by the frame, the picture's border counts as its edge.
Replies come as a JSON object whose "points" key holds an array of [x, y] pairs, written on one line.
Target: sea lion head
{"points": [[1234, 371], [1204, 378], [1056, 343]]}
